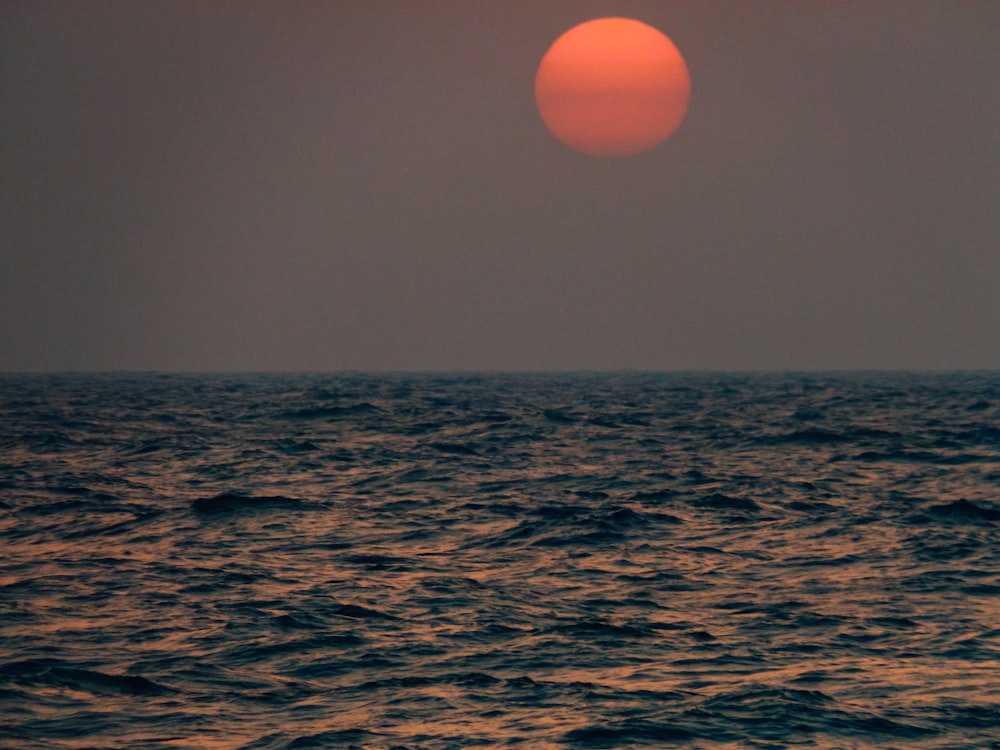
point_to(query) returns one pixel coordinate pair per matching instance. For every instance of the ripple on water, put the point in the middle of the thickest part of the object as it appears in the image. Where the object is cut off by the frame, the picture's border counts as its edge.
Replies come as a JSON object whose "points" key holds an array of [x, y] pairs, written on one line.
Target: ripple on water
{"points": [[544, 561]]}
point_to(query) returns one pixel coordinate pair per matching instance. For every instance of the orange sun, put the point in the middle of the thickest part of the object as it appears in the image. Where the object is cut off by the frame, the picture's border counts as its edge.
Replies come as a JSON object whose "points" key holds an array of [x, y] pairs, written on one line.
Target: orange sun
{"points": [[612, 87]]}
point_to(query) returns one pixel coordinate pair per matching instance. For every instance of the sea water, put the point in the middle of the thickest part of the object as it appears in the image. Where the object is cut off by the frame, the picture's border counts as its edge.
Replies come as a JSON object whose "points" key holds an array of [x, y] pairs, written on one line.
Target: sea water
{"points": [[540, 561]]}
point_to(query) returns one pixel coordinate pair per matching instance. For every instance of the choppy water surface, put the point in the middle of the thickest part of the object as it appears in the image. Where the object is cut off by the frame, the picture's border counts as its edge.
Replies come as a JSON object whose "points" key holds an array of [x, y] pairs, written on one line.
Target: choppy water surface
{"points": [[416, 561]]}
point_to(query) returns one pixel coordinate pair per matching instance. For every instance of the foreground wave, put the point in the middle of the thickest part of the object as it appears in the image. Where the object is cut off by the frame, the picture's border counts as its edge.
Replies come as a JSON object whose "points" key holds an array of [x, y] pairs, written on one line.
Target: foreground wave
{"points": [[538, 561]]}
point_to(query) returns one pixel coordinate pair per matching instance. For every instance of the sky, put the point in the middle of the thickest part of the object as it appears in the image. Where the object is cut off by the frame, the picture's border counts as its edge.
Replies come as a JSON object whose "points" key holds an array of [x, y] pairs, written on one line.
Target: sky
{"points": [[288, 185]]}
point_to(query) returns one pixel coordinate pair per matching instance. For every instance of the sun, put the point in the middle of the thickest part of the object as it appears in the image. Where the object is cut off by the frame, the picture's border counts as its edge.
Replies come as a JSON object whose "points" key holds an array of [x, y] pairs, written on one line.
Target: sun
{"points": [[612, 87]]}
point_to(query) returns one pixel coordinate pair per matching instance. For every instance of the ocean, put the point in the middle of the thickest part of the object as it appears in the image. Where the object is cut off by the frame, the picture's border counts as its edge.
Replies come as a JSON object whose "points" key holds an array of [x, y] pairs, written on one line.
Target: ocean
{"points": [[426, 562]]}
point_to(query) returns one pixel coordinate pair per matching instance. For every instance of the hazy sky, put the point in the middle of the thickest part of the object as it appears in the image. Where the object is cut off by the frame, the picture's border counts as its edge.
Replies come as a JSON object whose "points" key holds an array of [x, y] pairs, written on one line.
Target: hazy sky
{"points": [[291, 185]]}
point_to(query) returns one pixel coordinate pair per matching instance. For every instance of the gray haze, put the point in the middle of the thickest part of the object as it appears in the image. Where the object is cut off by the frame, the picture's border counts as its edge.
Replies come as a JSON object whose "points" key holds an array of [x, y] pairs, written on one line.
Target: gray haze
{"points": [[292, 185]]}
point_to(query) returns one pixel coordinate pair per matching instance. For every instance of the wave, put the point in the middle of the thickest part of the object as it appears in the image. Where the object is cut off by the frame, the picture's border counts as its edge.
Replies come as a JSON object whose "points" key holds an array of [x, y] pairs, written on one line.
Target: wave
{"points": [[230, 503], [57, 674]]}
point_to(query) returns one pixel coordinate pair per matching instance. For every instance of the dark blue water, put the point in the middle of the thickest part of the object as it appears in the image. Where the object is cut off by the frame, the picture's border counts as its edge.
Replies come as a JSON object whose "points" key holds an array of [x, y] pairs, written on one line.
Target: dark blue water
{"points": [[537, 561]]}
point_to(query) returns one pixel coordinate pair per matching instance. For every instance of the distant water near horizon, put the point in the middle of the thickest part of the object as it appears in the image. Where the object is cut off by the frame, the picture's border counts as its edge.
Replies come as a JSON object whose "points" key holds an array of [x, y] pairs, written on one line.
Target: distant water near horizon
{"points": [[426, 562]]}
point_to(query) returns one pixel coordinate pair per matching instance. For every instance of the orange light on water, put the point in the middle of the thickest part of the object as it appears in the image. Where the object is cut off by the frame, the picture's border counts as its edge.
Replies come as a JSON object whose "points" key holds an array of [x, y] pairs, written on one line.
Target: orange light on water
{"points": [[612, 87]]}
